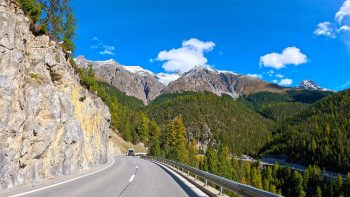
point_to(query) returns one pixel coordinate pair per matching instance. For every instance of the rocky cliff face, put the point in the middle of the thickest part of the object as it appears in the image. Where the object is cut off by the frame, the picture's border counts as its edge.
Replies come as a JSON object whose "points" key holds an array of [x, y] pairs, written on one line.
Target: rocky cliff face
{"points": [[49, 124], [201, 79], [142, 85]]}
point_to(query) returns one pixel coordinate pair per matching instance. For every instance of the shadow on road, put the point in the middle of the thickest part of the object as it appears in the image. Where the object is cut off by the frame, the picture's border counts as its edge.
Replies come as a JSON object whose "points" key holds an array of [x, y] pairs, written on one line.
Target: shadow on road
{"points": [[181, 184]]}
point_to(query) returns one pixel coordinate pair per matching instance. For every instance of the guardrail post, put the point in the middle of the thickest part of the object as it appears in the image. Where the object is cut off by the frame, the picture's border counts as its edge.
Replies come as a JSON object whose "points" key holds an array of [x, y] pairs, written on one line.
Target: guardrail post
{"points": [[221, 191], [206, 182], [188, 173], [195, 177]]}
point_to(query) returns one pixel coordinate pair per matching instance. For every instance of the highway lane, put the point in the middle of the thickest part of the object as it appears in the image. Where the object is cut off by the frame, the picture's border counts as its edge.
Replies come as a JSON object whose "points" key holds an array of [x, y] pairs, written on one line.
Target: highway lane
{"points": [[127, 176]]}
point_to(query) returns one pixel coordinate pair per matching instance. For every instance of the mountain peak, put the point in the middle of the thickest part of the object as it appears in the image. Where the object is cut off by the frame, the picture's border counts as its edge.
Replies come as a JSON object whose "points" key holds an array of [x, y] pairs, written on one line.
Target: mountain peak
{"points": [[310, 85]]}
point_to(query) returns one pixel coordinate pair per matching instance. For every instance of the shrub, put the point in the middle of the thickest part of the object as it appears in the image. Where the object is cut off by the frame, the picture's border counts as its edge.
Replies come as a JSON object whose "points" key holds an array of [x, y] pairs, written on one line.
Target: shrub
{"points": [[32, 8]]}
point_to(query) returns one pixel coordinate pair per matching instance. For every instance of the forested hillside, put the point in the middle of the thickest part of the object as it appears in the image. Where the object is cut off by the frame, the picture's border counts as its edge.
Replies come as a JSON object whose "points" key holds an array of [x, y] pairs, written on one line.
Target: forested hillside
{"points": [[320, 134], [278, 107], [209, 117]]}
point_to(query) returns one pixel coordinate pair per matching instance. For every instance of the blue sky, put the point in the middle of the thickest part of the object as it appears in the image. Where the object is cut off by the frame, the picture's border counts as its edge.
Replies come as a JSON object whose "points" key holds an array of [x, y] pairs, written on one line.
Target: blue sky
{"points": [[284, 41]]}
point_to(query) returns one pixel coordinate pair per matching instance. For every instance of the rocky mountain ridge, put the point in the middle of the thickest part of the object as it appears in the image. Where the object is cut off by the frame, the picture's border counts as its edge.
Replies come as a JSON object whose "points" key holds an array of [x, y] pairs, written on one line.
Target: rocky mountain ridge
{"points": [[49, 124], [139, 83], [146, 86], [310, 85]]}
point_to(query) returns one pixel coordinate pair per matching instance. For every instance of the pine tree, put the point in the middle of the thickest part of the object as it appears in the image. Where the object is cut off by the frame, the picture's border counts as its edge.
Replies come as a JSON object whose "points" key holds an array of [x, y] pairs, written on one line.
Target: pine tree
{"points": [[235, 170], [32, 8], [339, 186], [59, 21], [192, 154], [134, 136], [69, 31], [181, 141], [256, 178], [247, 171], [144, 128], [224, 162], [212, 160], [154, 144], [318, 192], [297, 185], [169, 141]]}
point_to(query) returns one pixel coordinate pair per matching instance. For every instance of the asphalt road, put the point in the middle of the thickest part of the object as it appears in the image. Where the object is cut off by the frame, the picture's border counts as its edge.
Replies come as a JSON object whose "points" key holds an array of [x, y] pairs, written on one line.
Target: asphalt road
{"points": [[126, 176]]}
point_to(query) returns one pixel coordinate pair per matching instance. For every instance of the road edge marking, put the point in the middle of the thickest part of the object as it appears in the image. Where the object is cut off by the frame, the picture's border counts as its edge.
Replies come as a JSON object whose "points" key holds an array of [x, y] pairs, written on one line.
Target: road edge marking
{"points": [[131, 178], [60, 183]]}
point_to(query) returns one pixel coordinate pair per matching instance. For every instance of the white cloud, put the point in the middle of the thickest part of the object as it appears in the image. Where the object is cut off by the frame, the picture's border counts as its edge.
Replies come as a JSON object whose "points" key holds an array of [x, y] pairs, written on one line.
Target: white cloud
{"points": [[290, 55], [325, 29], [285, 82], [275, 81], [343, 12], [255, 75], [95, 38], [189, 55], [344, 28], [107, 50], [270, 73], [279, 76]]}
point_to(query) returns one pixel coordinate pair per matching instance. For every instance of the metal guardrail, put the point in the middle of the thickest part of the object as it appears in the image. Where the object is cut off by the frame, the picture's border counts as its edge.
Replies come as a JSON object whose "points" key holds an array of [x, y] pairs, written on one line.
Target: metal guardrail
{"points": [[238, 188]]}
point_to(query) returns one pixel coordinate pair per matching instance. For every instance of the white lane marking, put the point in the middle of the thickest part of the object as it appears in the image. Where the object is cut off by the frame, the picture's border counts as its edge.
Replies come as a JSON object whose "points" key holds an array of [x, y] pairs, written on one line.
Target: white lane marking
{"points": [[137, 167], [132, 178], [54, 185]]}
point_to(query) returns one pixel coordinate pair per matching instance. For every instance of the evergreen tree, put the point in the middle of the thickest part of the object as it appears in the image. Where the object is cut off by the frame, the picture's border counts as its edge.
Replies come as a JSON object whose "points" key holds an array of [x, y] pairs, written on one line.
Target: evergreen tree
{"points": [[127, 131], [247, 172], [69, 31], [154, 144], [236, 172], [318, 192], [212, 160], [339, 186], [224, 162], [181, 141], [297, 185], [192, 154], [256, 178], [144, 128], [169, 144], [32, 8]]}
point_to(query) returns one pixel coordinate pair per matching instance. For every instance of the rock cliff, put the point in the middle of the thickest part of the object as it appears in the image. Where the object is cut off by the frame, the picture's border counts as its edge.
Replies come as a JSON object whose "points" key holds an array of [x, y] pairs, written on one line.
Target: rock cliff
{"points": [[144, 86], [200, 79], [49, 124]]}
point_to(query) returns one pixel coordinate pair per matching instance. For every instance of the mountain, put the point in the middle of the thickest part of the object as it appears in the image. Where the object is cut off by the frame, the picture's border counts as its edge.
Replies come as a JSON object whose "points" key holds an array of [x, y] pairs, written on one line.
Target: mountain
{"points": [[212, 118], [132, 80], [278, 107], [319, 134], [49, 124], [146, 85], [310, 85], [201, 79]]}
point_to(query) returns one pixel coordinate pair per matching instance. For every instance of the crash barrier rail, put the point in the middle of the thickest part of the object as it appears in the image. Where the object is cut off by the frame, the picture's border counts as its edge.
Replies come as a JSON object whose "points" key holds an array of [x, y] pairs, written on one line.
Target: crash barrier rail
{"points": [[223, 183]]}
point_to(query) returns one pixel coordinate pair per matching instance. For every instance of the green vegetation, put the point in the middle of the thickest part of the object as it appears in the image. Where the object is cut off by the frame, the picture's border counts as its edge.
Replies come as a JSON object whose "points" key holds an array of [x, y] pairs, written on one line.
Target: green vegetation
{"points": [[210, 117], [34, 75], [318, 135], [277, 179], [127, 116], [279, 107], [54, 17], [32, 8]]}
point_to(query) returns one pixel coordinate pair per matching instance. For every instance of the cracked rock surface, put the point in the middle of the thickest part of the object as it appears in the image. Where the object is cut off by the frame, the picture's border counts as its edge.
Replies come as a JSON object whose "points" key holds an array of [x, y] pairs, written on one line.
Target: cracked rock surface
{"points": [[46, 128]]}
